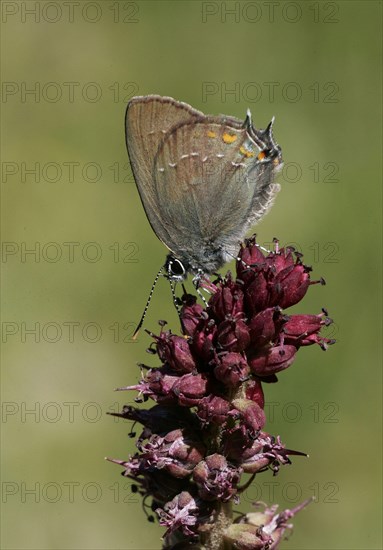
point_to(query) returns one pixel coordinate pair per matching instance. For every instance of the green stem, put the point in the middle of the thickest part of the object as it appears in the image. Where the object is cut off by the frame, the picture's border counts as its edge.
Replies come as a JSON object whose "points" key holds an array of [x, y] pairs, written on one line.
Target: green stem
{"points": [[223, 519]]}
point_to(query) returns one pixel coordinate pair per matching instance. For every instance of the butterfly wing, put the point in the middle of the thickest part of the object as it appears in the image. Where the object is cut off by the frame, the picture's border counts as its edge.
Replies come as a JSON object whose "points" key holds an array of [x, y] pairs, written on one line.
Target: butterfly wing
{"points": [[212, 182], [148, 119]]}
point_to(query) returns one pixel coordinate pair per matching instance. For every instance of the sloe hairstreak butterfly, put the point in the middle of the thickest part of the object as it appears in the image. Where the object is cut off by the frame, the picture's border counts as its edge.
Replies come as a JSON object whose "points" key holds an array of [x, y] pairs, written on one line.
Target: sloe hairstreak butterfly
{"points": [[203, 180]]}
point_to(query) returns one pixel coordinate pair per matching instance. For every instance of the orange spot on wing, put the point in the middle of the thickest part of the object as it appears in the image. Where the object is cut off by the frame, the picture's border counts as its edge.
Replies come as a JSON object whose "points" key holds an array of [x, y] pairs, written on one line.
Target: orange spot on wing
{"points": [[211, 134], [229, 138], [261, 155], [245, 152]]}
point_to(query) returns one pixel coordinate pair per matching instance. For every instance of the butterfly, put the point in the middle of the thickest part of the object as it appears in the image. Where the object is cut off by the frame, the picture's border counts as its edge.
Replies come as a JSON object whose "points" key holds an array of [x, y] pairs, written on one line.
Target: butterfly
{"points": [[203, 180]]}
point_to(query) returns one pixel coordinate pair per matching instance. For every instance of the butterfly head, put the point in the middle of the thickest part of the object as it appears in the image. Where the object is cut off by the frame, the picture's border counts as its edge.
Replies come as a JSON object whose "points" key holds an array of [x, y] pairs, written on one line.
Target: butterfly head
{"points": [[175, 269]]}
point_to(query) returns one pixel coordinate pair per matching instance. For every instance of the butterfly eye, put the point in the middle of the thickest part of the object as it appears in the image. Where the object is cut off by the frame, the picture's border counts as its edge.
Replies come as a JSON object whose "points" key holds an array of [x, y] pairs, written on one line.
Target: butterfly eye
{"points": [[175, 269]]}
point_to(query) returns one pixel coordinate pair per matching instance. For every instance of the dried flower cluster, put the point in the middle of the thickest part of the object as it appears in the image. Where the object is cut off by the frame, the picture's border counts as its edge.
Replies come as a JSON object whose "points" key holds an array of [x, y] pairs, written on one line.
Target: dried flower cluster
{"points": [[206, 428]]}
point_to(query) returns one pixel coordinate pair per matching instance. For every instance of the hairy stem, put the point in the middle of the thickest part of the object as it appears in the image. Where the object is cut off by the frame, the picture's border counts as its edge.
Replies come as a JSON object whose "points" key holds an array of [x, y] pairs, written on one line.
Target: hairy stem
{"points": [[214, 538]]}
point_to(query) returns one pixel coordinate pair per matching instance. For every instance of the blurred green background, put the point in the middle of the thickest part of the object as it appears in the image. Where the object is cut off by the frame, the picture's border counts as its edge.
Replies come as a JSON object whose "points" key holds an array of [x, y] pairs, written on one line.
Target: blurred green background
{"points": [[69, 308]]}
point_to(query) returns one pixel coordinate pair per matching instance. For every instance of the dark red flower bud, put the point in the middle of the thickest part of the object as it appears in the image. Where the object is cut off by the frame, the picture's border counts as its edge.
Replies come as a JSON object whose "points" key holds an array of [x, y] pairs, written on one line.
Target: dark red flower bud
{"points": [[233, 335], [254, 456], [213, 409], [235, 442], [216, 478], [257, 294], [202, 340], [191, 314], [189, 389], [231, 368], [227, 301], [290, 285], [176, 453], [252, 460], [251, 414], [175, 351], [254, 392], [273, 360], [265, 326], [163, 392], [280, 260], [157, 384], [251, 260], [302, 330]]}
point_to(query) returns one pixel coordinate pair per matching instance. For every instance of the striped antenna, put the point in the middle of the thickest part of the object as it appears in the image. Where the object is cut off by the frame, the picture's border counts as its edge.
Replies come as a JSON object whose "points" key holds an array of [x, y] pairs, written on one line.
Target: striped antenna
{"points": [[275, 241], [147, 304], [258, 246]]}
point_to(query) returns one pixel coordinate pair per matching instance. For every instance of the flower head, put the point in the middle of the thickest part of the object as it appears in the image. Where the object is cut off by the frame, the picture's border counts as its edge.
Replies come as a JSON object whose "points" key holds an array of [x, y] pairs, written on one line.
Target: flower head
{"points": [[206, 427]]}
